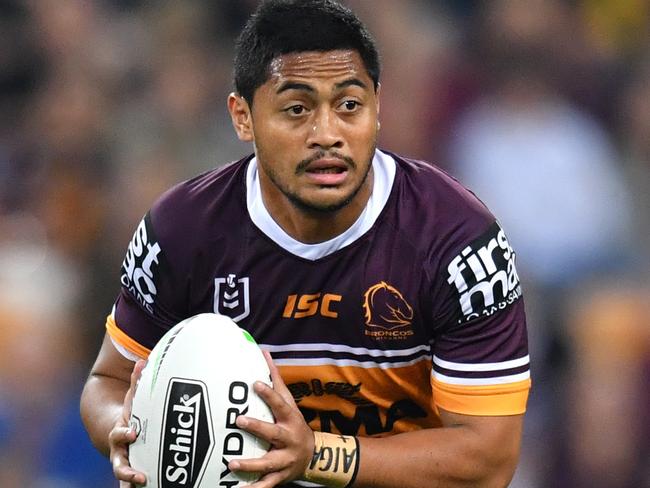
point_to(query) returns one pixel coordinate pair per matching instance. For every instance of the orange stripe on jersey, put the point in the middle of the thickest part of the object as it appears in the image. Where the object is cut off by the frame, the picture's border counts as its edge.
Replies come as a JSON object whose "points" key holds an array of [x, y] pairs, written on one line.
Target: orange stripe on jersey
{"points": [[363, 401], [506, 399], [124, 340]]}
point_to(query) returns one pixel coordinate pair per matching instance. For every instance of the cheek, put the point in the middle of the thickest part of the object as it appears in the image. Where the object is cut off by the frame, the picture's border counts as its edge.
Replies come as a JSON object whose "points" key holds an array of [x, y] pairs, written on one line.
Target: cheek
{"points": [[364, 129], [276, 150], [362, 139], [274, 137]]}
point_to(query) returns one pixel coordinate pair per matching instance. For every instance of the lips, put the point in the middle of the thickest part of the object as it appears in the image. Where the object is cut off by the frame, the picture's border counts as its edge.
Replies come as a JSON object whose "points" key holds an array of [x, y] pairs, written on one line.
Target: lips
{"points": [[327, 172]]}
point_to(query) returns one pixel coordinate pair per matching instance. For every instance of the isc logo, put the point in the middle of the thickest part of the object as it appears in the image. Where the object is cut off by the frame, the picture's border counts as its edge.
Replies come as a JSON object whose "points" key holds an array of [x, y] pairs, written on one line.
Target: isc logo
{"points": [[301, 306]]}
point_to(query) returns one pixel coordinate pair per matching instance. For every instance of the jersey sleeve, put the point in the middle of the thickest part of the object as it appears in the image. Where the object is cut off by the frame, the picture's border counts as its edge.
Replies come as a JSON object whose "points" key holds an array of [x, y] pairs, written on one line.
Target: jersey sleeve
{"points": [[480, 349], [148, 302]]}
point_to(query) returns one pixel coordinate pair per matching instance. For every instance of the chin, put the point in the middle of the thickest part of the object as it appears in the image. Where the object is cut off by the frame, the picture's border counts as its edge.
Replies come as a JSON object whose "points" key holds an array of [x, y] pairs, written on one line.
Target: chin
{"points": [[322, 205]]}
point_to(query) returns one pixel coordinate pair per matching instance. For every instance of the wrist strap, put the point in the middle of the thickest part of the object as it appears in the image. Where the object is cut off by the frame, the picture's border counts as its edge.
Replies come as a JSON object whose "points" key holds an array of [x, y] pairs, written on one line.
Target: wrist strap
{"points": [[335, 461]]}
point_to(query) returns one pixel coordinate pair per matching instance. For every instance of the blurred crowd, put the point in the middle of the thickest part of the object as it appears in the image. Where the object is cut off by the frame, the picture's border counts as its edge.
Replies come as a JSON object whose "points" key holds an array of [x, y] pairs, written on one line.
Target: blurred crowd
{"points": [[541, 107]]}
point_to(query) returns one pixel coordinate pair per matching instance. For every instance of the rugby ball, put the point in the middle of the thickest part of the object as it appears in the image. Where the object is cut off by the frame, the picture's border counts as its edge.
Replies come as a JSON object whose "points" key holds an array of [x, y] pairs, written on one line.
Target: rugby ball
{"points": [[198, 379]]}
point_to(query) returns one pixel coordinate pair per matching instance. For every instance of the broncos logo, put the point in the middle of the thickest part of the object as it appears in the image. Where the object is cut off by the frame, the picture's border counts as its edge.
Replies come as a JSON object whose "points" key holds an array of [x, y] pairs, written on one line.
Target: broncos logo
{"points": [[385, 307]]}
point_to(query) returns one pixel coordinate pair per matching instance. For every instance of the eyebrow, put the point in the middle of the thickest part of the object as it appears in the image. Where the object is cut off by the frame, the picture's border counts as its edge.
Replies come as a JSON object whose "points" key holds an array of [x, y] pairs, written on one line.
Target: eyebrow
{"points": [[293, 85], [351, 82]]}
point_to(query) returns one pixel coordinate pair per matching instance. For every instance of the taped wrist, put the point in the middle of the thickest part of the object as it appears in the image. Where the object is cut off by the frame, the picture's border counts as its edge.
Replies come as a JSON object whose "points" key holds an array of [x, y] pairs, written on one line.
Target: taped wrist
{"points": [[335, 461]]}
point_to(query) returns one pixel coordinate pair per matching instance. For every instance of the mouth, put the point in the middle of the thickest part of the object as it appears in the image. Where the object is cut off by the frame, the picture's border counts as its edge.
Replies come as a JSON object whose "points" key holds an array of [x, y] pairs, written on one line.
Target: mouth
{"points": [[327, 172]]}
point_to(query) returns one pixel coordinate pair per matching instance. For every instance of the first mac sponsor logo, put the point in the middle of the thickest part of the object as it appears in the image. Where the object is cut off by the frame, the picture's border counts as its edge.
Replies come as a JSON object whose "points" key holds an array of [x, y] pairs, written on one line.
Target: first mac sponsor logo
{"points": [[485, 276], [187, 435], [141, 265]]}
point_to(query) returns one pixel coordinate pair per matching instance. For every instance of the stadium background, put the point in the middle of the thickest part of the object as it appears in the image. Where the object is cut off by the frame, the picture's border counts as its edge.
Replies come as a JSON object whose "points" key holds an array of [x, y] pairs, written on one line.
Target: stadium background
{"points": [[541, 106]]}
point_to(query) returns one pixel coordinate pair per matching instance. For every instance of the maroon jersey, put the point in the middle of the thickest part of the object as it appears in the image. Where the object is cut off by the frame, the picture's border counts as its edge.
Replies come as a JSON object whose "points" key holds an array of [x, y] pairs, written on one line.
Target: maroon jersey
{"points": [[416, 306]]}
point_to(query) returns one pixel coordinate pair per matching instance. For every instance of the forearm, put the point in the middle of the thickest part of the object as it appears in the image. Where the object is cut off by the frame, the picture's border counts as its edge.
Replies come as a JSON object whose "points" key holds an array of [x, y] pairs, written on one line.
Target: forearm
{"points": [[101, 407], [445, 457]]}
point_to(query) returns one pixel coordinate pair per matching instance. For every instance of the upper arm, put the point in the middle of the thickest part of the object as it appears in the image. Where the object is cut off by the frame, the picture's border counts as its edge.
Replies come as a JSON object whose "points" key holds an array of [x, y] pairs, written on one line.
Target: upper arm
{"points": [[111, 363], [480, 353], [102, 399], [495, 441]]}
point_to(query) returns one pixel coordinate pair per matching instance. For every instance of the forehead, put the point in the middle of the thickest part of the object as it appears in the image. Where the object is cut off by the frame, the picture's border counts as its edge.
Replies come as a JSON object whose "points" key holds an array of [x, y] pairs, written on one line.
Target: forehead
{"points": [[318, 66]]}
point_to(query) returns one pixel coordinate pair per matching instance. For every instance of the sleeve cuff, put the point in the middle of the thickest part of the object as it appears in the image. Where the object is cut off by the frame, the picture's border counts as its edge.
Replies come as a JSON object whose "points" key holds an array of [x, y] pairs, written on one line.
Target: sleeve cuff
{"points": [[488, 400], [128, 347]]}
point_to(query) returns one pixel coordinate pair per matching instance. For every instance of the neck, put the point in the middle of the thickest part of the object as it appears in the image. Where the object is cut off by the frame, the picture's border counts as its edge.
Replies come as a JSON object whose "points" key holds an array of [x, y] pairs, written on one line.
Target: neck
{"points": [[311, 226]]}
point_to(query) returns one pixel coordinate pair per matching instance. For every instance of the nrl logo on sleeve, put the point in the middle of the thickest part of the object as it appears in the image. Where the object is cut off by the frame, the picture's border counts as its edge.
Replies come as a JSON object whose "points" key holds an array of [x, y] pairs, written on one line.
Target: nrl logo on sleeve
{"points": [[231, 297], [485, 276], [140, 265]]}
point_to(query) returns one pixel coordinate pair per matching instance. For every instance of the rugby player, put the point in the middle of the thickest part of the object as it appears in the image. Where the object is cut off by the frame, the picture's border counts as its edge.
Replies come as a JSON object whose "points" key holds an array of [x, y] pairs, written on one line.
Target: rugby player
{"points": [[385, 292]]}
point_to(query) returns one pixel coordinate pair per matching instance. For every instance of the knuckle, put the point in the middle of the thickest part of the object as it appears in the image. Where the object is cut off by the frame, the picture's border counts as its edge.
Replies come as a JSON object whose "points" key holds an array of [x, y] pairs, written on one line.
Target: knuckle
{"points": [[276, 435], [113, 437], [117, 436]]}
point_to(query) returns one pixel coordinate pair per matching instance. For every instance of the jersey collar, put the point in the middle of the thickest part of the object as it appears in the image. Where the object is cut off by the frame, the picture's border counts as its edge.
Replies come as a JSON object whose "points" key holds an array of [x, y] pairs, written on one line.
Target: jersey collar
{"points": [[384, 168]]}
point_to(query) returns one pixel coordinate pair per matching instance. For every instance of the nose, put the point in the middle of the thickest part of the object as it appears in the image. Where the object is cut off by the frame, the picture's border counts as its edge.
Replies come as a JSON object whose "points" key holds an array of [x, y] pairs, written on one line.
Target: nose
{"points": [[324, 131]]}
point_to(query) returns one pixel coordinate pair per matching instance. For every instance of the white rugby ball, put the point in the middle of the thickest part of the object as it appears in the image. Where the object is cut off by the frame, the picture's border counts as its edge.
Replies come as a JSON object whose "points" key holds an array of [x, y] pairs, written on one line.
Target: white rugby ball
{"points": [[198, 379]]}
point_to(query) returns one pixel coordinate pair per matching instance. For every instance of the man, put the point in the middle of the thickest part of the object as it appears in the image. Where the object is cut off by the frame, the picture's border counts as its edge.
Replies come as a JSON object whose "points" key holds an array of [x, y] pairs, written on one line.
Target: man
{"points": [[385, 292]]}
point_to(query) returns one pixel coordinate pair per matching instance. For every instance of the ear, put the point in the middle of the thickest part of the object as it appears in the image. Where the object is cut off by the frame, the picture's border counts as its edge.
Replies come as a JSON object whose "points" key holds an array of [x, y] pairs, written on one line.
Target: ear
{"points": [[242, 120], [377, 95]]}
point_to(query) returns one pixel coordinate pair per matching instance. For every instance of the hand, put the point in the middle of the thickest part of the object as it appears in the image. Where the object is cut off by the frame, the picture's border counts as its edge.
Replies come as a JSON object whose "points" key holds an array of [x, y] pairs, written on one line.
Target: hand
{"points": [[121, 436], [291, 439]]}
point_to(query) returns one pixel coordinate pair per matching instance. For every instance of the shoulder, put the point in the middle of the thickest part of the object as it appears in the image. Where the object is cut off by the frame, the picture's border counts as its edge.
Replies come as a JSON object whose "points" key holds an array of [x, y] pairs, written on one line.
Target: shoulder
{"points": [[195, 213], [193, 202], [435, 207]]}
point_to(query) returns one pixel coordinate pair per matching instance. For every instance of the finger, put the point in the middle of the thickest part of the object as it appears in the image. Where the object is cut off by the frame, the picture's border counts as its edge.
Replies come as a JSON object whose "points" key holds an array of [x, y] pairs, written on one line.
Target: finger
{"points": [[137, 373], [266, 464], [121, 436], [269, 480], [278, 382], [279, 405], [124, 472], [135, 378], [271, 433], [130, 477], [137, 369]]}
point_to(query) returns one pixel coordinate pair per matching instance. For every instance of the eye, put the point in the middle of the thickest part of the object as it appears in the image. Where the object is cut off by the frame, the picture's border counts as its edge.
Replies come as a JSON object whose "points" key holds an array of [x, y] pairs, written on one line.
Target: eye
{"points": [[350, 105], [295, 110]]}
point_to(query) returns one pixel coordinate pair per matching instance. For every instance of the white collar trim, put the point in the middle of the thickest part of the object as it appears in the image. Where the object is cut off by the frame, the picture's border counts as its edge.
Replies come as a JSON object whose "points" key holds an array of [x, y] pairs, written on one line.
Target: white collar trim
{"points": [[384, 167]]}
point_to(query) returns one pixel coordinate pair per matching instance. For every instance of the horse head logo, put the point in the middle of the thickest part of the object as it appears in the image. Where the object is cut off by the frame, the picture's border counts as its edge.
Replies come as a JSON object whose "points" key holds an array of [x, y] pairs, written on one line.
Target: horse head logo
{"points": [[386, 308]]}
